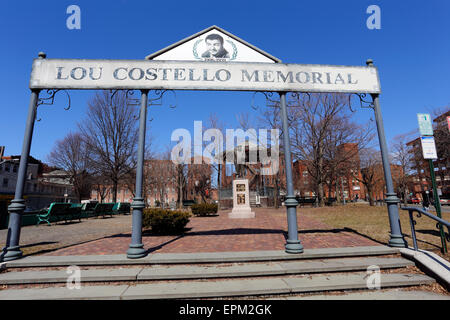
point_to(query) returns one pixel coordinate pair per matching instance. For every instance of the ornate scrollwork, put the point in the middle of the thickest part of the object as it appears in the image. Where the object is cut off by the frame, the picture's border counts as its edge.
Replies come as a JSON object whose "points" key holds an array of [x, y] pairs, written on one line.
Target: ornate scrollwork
{"points": [[157, 98], [130, 100], [362, 101], [270, 101], [298, 95], [51, 99]]}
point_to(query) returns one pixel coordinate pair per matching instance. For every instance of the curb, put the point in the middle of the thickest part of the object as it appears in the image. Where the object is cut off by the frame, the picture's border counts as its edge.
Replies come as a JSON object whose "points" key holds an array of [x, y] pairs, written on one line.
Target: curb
{"points": [[437, 266]]}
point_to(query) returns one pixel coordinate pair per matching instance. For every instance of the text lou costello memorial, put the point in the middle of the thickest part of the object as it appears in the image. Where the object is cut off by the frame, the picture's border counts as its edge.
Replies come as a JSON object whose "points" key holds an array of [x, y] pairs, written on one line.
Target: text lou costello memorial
{"points": [[182, 75]]}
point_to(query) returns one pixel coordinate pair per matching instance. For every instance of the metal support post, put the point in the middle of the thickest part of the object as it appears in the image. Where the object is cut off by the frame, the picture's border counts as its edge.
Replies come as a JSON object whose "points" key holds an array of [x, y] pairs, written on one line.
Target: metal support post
{"points": [[136, 248], [293, 244]]}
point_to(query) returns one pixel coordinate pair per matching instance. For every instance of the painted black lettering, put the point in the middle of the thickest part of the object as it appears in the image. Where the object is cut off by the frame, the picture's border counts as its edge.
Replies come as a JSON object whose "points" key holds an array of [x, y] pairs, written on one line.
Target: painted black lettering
{"points": [[116, 73], [179, 74], [151, 75], [91, 73], [205, 75], [339, 78], [223, 71], [316, 77], [73, 73], [250, 77], [59, 75], [306, 76], [350, 79], [285, 77], [191, 75]]}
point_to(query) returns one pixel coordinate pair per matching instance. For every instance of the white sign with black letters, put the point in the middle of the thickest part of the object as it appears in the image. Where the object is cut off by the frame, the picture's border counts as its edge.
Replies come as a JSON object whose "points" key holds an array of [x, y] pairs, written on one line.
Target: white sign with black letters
{"points": [[428, 147], [187, 75]]}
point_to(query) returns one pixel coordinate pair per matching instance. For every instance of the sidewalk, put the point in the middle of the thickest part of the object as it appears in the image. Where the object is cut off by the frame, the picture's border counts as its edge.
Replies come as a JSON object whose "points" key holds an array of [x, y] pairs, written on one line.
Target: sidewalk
{"points": [[220, 234]]}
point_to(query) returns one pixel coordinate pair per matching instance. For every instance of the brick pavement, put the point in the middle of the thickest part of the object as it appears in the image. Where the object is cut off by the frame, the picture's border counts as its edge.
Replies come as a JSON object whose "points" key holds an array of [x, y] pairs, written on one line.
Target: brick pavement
{"points": [[219, 234]]}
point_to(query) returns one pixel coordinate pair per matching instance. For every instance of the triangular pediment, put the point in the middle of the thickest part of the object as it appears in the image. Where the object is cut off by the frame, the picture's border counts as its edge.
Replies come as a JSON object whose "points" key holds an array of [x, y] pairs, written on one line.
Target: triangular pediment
{"points": [[213, 44]]}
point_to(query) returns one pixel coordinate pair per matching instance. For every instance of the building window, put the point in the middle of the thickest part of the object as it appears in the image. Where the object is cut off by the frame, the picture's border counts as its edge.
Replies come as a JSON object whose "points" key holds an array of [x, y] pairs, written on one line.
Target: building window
{"points": [[5, 182], [14, 168], [7, 167]]}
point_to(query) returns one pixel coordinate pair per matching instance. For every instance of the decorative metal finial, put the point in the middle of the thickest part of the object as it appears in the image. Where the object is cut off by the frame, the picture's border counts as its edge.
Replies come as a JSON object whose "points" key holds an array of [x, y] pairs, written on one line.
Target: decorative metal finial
{"points": [[369, 62], [42, 55]]}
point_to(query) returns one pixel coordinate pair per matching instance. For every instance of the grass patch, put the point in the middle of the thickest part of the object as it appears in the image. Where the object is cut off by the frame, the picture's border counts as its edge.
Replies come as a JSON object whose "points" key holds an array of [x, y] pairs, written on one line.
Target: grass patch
{"points": [[373, 222]]}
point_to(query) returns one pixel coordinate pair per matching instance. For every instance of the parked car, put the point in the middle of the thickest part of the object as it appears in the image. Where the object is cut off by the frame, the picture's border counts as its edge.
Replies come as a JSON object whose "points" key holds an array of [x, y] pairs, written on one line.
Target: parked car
{"points": [[445, 201], [414, 200]]}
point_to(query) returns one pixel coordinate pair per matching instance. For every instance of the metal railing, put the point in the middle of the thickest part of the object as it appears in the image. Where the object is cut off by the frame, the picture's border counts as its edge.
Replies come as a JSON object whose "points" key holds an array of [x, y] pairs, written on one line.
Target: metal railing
{"points": [[439, 224]]}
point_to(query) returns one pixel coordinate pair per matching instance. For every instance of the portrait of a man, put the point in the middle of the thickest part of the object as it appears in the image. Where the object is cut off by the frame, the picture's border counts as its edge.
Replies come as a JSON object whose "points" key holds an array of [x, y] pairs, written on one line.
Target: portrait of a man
{"points": [[214, 47]]}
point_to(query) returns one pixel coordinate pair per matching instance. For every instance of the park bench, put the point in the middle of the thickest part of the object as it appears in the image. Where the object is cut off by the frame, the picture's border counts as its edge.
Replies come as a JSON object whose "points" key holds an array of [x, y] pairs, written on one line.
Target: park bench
{"points": [[188, 203], [57, 210], [75, 211], [330, 201], [71, 212], [87, 209], [303, 200], [121, 207], [103, 209]]}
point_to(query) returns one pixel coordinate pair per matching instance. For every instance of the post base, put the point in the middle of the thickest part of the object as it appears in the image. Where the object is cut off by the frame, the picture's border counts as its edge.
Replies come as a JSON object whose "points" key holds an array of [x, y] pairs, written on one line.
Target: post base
{"points": [[11, 253], [136, 251], [293, 246], [397, 241]]}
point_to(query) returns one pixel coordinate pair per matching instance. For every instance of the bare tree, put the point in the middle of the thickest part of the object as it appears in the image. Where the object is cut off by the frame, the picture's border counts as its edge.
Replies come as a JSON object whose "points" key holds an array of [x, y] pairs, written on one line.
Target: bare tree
{"points": [[111, 134], [181, 172], [71, 155], [101, 185], [312, 120], [199, 175], [271, 118], [160, 175], [371, 172], [343, 143], [402, 157], [215, 164]]}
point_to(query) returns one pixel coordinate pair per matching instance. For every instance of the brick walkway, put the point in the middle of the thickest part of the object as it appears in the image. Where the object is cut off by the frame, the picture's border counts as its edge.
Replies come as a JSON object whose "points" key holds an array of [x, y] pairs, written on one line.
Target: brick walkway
{"points": [[219, 234]]}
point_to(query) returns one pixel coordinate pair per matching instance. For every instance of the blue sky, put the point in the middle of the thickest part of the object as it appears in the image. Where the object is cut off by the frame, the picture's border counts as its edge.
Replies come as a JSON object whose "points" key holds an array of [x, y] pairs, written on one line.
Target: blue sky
{"points": [[411, 52]]}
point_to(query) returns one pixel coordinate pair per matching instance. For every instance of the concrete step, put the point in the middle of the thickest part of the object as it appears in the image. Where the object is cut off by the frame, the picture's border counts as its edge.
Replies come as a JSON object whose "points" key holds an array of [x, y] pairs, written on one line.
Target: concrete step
{"points": [[222, 288], [201, 257], [393, 294], [204, 272]]}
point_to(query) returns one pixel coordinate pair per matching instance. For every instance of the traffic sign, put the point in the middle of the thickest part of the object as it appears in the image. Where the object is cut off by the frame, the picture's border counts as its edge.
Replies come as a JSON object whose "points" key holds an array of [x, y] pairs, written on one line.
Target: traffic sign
{"points": [[425, 127], [428, 148]]}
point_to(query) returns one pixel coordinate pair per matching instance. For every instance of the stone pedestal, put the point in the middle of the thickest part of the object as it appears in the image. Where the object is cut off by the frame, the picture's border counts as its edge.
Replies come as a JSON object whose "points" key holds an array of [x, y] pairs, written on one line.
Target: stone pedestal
{"points": [[241, 200]]}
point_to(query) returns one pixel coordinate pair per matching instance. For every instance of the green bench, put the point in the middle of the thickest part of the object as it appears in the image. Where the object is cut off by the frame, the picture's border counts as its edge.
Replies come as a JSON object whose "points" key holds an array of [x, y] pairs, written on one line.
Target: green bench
{"points": [[87, 209], [102, 209], [60, 211], [121, 207], [70, 211]]}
